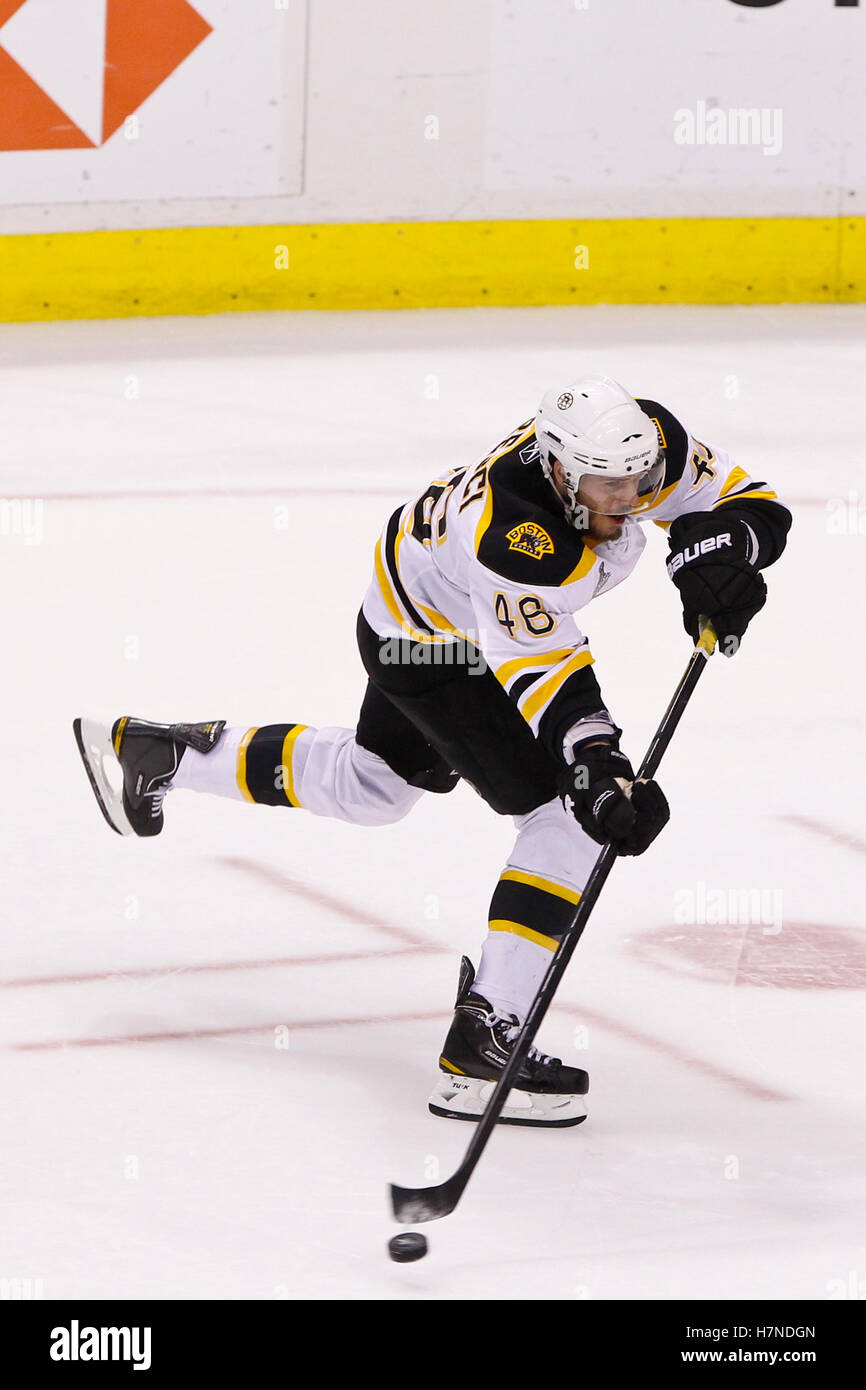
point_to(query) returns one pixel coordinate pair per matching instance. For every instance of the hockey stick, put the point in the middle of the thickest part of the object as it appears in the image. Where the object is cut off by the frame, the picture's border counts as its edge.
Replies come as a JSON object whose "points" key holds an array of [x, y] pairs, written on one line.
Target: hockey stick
{"points": [[413, 1204]]}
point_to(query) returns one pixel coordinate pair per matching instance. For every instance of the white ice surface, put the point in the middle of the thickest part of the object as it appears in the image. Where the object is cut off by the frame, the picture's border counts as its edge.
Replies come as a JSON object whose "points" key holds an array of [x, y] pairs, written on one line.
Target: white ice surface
{"points": [[157, 1139]]}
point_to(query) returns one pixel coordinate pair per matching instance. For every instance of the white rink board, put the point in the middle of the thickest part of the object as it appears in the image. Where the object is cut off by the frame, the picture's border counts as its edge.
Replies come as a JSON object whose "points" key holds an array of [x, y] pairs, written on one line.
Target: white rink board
{"points": [[227, 123], [506, 109], [634, 67]]}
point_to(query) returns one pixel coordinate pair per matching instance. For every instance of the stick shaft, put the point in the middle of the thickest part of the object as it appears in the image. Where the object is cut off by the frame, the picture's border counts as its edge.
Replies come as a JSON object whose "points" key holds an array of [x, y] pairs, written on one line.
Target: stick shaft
{"points": [[555, 971]]}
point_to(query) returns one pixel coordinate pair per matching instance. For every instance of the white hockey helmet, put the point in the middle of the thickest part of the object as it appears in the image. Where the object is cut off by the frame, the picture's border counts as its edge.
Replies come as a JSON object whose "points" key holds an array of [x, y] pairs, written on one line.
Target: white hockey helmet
{"points": [[598, 432]]}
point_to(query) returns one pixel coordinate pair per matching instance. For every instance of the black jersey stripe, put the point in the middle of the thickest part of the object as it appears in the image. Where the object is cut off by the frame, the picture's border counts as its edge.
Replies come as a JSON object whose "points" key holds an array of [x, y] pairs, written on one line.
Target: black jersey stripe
{"points": [[577, 697], [389, 549], [516, 689], [747, 486]]}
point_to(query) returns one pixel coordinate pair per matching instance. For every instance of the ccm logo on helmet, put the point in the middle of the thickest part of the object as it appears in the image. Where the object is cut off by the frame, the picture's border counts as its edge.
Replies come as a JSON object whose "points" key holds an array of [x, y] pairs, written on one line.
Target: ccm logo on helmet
{"points": [[691, 552]]}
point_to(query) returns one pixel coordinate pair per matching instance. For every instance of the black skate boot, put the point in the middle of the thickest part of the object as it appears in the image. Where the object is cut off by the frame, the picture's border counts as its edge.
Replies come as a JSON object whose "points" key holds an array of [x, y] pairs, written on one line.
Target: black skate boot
{"points": [[476, 1049], [147, 756]]}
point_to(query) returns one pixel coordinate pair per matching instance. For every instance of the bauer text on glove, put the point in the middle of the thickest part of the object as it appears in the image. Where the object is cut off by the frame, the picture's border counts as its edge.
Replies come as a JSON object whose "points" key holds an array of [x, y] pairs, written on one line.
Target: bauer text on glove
{"points": [[712, 563]]}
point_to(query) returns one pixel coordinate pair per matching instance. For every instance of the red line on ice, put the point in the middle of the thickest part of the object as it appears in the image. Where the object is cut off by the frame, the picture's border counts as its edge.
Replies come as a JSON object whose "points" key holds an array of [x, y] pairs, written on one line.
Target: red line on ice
{"points": [[826, 832], [206, 967], [410, 942], [352, 912], [756, 1089], [170, 494], [184, 1035], [362, 916], [228, 493]]}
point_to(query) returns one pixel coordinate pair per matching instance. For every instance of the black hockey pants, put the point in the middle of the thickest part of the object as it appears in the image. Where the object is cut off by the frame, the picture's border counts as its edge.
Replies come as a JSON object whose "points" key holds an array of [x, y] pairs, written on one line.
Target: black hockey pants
{"points": [[433, 724]]}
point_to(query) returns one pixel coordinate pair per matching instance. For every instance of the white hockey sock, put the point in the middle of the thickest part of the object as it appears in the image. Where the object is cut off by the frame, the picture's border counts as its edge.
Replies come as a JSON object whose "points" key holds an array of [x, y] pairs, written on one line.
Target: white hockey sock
{"points": [[510, 972], [533, 904], [216, 771], [324, 771]]}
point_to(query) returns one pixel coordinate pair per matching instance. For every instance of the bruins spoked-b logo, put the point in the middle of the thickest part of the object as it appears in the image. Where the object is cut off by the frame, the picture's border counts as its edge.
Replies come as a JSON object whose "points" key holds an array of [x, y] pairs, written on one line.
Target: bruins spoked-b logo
{"points": [[531, 539], [564, 401]]}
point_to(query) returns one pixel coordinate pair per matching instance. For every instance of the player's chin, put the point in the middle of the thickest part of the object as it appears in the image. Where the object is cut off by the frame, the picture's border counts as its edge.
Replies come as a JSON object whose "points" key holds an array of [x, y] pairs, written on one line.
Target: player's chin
{"points": [[609, 528]]}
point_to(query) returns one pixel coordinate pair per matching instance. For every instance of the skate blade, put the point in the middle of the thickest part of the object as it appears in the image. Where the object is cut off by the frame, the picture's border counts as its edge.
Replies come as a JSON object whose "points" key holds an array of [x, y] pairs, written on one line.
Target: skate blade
{"points": [[466, 1097], [94, 745]]}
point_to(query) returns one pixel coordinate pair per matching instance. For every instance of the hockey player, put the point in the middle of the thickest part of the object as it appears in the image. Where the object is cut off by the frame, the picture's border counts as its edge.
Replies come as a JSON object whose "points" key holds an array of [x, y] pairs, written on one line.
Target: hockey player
{"points": [[477, 670]]}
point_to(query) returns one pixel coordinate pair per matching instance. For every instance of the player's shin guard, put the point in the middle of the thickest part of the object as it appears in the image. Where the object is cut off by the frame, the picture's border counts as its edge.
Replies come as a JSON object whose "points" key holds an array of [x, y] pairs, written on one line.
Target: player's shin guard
{"points": [[266, 770], [323, 771], [528, 915], [478, 1045]]}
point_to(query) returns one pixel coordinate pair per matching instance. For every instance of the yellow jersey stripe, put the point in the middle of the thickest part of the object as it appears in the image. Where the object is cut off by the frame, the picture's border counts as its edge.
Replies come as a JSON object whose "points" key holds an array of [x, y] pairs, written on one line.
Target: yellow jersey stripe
{"points": [[484, 519], [545, 692], [737, 475], [518, 929], [385, 585], [520, 663], [662, 497], [509, 444], [242, 763], [392, 601], [546, 885], [439, 620], [289, 775], [583, 567], [766, 494]]}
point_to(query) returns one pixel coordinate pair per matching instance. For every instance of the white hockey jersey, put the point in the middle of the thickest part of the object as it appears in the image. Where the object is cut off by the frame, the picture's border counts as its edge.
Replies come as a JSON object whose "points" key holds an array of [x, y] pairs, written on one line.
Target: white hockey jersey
{"points": [[486, 554]]}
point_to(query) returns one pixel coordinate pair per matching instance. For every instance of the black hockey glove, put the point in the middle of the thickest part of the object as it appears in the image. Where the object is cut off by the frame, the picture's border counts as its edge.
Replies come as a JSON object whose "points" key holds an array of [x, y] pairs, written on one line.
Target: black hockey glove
{"points": [[591, 788], [712, 564]]}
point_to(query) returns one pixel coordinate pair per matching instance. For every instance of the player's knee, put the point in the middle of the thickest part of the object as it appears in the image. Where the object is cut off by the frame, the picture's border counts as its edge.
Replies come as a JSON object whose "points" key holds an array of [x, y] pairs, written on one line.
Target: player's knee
{"points": [[551, 844], [390, 808], [386, 797]]}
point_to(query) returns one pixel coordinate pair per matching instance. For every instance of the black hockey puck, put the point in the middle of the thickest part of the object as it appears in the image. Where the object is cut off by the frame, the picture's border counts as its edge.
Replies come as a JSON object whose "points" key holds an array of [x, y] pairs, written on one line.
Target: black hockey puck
{"points": [[408, 1247]]}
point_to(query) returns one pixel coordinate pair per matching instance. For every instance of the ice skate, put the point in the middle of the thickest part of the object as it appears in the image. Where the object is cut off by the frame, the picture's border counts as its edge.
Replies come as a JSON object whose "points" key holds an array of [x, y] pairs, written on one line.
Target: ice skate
{"points": [[477, 1048], [145, 757]]}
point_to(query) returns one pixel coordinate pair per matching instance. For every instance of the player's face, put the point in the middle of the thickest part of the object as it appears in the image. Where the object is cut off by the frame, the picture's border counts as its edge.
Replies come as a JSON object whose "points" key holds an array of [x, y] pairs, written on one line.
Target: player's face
{"points": [[608, 502]]}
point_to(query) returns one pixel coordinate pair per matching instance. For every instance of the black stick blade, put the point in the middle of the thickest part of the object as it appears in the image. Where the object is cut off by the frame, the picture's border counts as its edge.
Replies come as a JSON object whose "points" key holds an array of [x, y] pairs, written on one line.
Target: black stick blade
{"points": [[414, 1204]]}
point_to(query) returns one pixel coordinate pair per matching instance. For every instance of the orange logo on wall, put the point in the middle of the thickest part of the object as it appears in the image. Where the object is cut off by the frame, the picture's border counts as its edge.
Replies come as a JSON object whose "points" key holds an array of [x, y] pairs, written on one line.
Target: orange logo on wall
{"points": [[145, 40]]}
